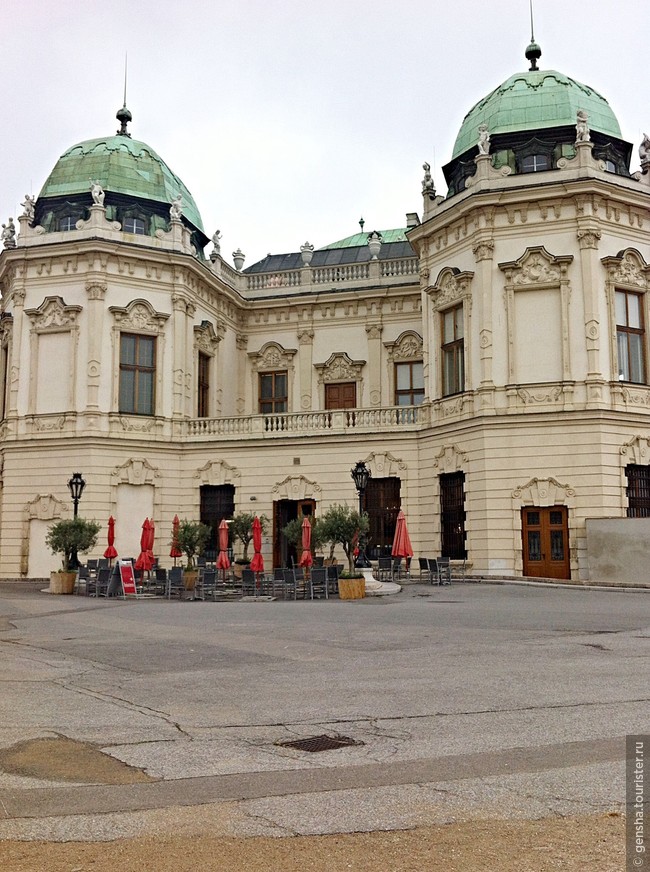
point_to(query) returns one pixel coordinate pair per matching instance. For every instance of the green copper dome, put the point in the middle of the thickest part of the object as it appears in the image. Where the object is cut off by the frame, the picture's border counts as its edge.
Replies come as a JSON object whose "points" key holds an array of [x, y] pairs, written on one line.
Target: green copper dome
{"points": [[534, 100], [122, 166]]}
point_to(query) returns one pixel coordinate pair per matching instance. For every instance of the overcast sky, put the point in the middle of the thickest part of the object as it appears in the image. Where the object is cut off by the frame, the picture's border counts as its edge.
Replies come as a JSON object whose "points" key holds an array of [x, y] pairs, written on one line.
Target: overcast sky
{"points": [[290, 120]]}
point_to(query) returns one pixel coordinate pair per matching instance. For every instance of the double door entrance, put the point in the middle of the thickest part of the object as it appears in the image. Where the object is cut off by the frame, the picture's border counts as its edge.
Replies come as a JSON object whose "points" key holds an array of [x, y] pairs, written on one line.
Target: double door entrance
{"points": [[545, 536]]}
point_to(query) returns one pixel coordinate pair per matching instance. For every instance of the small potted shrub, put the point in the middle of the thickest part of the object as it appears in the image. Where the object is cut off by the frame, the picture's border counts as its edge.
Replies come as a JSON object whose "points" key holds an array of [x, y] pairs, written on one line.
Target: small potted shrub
{"points": [[192, 538], [241, 528], [69, 538], [344, 526]]}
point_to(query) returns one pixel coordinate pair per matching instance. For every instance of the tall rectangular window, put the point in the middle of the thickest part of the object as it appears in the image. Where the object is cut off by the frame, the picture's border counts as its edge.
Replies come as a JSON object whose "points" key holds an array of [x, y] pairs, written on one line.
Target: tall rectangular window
{"points": [[137, 373], [409, 383], [630, 337], [453, 359], [203, 386], [638, 491], [452, 515], [273, 392]]}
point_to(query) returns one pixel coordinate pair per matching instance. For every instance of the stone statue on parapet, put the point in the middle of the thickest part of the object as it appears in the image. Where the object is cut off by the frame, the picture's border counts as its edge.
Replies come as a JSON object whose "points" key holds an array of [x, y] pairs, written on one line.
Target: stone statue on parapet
{"points": [[483, 139], [28, 206], [176, 208], [216, 241], [427, 181], [8, 234], [582, 127], [97, 192], [644, 152]]}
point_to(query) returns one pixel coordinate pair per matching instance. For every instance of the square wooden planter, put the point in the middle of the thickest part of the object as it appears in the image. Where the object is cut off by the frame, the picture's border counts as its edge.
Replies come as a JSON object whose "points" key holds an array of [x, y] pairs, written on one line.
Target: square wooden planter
{"points": [[352, 588]]}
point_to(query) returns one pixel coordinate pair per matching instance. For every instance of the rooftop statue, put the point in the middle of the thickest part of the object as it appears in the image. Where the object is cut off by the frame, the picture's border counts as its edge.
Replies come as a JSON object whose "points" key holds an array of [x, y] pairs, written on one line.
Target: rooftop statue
{"points": [[29, 207], [582, 127], [9, 234], [176, 208], [427, 181], [483, 139], [216, 241], [644, 150], [97, 192]]}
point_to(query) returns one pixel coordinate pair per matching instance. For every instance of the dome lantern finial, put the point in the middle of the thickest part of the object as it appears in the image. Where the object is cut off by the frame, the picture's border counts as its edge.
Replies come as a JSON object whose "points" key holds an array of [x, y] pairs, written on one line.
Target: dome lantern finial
{"points": [[533, 52], [123, 114]]}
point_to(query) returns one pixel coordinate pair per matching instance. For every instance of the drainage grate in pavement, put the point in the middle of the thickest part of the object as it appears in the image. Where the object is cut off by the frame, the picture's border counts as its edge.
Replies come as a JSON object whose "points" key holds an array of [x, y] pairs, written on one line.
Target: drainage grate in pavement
{"points": [[320, 743]]}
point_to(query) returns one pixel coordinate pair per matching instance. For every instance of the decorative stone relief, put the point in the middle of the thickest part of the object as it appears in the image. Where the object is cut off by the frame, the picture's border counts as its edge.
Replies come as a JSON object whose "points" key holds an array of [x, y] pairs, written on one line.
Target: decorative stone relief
{"points": [[139, 316], [53, 316], [450, 286], [340, 368], [272, 356], [374, 331], [135, 471], [627, 268], [206, 338], [483, 250], [218, 472], [305, 335], [96, 290], [530, 398], [536, 267], [635, 398], [592, 330], [407, 346], [485, 338], [450, 458], [45, 507], [589, 238], [544, 492], [297, 487], [136, 425], [385, 465], [636, 451]]}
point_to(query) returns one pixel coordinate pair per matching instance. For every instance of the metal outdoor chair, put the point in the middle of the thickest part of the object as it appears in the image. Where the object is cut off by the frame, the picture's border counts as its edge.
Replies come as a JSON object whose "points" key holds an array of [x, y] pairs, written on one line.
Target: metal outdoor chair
{"points": [[248, 583], [318, 582], [444, 570], [102, 582], [207, 584], [385, 569], [425, 572], [161, 581], [175, 582], [333, 575], [289, 583]]}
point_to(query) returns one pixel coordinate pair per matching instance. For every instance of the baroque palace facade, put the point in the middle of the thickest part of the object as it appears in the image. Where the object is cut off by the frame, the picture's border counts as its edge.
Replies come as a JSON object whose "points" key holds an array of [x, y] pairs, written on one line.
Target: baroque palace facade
{"points": [[488, 362]]}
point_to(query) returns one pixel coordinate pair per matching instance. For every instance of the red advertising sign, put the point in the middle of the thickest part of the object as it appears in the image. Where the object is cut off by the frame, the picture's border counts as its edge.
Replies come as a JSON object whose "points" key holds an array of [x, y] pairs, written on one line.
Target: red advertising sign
{"points": [[128, 578]]}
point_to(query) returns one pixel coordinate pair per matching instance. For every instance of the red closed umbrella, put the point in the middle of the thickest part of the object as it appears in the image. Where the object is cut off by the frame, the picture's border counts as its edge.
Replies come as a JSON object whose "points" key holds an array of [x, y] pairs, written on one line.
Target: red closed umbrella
{"points": [[306, 559], [150, 538], [145, 558], [222, 560], [402, 541], [257, 563], [110, 552], [175, 551]]}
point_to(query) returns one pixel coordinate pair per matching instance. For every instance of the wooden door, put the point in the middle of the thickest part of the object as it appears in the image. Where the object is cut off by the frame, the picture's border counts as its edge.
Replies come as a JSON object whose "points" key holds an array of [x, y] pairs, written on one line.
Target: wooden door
{"points": [[342, 395], [283, 512], [545, 535]]}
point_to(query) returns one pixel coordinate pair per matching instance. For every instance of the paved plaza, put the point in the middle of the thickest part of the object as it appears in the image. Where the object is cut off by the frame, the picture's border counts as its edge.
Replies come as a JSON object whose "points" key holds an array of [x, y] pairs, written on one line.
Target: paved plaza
{"points": [[465, 702]]}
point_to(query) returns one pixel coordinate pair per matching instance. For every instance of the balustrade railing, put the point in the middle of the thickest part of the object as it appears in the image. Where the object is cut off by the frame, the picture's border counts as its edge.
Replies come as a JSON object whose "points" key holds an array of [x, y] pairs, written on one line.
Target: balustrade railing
{"points": [[303, 423]]}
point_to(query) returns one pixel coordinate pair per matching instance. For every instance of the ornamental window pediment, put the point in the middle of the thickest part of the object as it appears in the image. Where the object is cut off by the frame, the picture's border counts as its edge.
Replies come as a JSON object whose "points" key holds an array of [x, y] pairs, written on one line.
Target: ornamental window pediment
{"points": [[272, 356], [139, 317], [340, 368], [536, 268], [450, 287], [206, 338], [628, 269], [53, 316], [407, 346]]}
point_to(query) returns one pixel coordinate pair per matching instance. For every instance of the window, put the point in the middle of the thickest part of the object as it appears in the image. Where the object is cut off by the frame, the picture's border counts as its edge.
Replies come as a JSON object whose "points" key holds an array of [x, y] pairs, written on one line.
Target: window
{"points": [[630, 337], [382, 502], [203, 387], [453, 363], [217, 504], [534, 163], [137, 373], [134, 225], [273, 392], [638, 491], [610, 166], [409, 383], [452, 515], [68, 223]]}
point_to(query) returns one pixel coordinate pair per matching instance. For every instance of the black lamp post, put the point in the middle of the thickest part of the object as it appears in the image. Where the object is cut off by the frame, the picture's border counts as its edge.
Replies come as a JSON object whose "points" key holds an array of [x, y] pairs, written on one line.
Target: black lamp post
{"points": [[76, 486], [360, 475]]}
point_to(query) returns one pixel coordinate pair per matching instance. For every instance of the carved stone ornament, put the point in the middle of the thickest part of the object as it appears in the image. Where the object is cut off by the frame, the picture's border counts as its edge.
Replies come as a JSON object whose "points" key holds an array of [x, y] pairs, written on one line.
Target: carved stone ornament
{"points": [[53, 315], [272, 356], [385, 465], [407, 346], [450, 458], [628, 268], [45, 507], [96, 290], [206, 338], [543, 492], [536, 267], [297, 487], [136, 471], [139, 316], [589, 238], [451, 285], [483, 250], [340, 368], [217, 473], [530, 398]]}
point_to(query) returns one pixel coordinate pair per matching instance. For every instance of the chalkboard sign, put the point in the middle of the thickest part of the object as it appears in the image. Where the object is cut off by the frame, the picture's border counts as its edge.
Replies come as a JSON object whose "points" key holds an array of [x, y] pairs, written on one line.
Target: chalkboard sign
{"points": [[127, 577]]}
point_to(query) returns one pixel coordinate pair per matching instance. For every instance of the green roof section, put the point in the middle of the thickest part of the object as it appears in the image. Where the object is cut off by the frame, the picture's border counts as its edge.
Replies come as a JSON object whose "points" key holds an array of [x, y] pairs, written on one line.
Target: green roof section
{"points": [[534, 100], [398, 235], [122, 166]]}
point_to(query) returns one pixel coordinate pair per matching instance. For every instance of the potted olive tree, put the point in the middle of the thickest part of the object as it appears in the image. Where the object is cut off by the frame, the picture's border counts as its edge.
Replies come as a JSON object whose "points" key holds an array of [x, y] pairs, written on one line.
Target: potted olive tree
{"points": [[192, 538], [344, 526], [241, 528], [69, 538]]}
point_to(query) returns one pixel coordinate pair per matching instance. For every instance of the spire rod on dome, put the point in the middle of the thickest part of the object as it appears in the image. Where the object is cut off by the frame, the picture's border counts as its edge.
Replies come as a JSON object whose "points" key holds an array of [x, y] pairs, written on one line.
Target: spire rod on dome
{"points": [[533, 52], [123, 114]]}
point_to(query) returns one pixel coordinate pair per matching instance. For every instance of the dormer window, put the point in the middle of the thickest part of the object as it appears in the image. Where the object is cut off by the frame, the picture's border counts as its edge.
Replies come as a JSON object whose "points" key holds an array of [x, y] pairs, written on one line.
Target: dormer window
{"points": [[535, 163], [610, 166], [68, 223], [134, 225]]}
